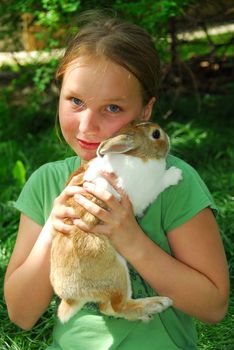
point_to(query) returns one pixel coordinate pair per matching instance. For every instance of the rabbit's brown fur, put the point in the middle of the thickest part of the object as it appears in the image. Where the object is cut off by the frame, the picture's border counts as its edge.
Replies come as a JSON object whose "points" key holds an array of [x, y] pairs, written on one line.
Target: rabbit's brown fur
{"points": [[85, 266]]}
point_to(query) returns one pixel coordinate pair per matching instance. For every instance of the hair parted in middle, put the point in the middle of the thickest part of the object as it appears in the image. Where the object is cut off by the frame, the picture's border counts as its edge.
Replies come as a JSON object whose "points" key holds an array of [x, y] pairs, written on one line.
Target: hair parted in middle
{"points": [[119, 41]]}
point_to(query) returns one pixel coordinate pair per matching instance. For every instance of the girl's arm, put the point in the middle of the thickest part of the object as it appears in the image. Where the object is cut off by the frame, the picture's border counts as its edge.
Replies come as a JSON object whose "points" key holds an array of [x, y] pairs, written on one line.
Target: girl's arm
{"points": [[195, 277], [27, 286]]}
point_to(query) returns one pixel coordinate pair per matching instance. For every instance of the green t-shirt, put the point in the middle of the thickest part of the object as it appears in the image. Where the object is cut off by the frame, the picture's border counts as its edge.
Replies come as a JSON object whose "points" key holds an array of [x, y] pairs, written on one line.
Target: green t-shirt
{"points": [[88, 329]]}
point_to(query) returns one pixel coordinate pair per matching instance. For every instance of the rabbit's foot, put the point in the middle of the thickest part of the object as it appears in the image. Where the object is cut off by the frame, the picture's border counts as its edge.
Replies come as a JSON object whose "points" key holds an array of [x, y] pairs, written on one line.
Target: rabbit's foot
{"points": [[68, 308], [155, 305], [137, 309]]}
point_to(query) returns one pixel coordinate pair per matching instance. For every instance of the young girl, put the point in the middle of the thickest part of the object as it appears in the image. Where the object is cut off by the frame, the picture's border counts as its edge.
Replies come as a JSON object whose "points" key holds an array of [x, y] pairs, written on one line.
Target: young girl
{"points": [[109, 76]]}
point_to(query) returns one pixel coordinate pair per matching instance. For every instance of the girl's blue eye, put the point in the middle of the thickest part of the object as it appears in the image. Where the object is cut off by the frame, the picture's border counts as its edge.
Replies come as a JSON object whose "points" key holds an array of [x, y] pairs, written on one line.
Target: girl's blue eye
{"points": [[113, 108], [77, 101]]}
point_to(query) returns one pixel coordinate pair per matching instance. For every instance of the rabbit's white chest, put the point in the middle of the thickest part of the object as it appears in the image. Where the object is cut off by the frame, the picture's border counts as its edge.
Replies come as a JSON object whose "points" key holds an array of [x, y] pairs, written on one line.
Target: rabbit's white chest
{"points": [[142, 181]]}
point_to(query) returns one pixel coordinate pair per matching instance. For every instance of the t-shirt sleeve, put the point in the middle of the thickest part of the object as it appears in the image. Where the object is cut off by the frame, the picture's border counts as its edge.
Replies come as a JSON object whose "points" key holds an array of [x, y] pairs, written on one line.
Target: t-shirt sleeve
{"points": [[30, 200], [186, 199], [43, 186]]}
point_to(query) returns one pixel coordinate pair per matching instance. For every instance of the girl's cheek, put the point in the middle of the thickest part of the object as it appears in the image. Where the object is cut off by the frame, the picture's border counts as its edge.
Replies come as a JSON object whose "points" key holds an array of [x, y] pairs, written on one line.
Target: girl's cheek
{"points": [[115, 125], [67, 117]]}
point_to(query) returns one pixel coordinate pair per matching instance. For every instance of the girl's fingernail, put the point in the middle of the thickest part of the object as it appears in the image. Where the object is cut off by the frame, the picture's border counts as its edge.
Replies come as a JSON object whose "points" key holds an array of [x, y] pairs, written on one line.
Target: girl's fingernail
{"points": [[77, 196], [87, 185], [106, 173]]}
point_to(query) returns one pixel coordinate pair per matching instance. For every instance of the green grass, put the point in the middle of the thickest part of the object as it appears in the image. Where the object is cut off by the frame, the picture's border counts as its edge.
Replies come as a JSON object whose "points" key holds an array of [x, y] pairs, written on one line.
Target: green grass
{"points": [[201, 134]]}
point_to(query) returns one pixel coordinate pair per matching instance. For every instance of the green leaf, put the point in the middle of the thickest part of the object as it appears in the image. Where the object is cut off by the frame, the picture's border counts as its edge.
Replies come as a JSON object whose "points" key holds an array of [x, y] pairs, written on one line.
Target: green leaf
{"points": [[19, 173]]}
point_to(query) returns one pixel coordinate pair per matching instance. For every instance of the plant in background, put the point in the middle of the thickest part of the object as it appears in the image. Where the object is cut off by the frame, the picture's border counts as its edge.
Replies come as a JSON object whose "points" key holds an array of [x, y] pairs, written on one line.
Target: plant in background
{"points": [[153, 15], [156, 17], [19, 173]]}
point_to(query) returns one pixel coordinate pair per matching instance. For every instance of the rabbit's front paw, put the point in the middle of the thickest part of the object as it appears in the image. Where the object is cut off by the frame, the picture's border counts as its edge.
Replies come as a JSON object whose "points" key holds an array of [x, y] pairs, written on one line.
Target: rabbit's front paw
{"points": [[172, 176]]}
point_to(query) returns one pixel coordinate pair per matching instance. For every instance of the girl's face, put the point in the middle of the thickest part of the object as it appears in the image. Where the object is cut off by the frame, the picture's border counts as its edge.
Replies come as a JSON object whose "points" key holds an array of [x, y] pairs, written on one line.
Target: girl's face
{"points": [[97, 98]]}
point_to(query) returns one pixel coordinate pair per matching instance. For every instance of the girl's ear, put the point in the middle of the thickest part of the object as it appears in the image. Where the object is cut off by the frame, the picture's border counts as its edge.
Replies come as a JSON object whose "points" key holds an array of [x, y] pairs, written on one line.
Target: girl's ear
{"points": [[148, 109]]}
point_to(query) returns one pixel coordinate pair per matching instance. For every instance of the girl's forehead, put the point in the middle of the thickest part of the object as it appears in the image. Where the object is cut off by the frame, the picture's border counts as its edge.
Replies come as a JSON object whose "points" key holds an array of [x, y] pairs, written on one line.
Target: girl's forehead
{"points": [[101, 80], [98, 64], [100, 70]]}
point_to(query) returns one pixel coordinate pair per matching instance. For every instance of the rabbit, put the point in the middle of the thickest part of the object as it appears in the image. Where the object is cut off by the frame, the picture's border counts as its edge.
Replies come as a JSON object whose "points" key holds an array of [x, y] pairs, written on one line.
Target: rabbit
{"points": [[85, 267]]}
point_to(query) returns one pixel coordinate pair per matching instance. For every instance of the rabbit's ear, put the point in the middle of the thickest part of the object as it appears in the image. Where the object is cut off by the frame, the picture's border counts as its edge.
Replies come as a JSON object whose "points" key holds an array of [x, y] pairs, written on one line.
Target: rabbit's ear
{"points": [[117, 144]]}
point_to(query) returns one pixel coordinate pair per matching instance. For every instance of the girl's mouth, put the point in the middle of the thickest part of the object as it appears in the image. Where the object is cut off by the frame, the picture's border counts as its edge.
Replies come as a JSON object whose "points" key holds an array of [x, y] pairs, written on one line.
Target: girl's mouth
{"points": [[88, 145]]}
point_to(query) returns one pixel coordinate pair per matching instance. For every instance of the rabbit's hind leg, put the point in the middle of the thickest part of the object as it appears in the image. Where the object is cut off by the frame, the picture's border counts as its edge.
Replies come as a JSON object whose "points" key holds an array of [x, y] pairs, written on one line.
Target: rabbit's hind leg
{"points": [[143, 309], [67, 308], [135, 309], [113, 304]]}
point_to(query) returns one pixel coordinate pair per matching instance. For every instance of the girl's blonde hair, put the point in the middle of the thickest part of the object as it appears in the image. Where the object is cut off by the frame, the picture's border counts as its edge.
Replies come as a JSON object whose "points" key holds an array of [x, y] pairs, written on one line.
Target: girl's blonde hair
{"points": [[124, 43]]}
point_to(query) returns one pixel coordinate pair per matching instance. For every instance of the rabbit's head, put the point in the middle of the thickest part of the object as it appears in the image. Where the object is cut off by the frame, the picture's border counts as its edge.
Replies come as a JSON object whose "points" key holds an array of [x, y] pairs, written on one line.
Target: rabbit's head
{"points": [[145, 140]]}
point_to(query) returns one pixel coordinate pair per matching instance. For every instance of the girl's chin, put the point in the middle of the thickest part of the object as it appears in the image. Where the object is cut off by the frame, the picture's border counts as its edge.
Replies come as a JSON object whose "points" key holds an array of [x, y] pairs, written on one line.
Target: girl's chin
{"points": [[85, 154]]}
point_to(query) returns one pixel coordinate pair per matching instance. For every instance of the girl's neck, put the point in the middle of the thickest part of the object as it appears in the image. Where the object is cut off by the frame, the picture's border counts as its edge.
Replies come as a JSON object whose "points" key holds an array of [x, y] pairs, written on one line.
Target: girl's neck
{"points": [[83, 162]]}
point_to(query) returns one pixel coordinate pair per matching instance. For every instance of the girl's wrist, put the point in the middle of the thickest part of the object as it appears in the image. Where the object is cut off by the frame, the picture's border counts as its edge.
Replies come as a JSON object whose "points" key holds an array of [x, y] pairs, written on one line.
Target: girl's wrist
{"points": [[46, 232], [136, 249]]}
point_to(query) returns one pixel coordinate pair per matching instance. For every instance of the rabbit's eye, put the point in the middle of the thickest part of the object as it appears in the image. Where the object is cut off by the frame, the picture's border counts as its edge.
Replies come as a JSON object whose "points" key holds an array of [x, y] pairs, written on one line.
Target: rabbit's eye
{"points": [[156, 134]]}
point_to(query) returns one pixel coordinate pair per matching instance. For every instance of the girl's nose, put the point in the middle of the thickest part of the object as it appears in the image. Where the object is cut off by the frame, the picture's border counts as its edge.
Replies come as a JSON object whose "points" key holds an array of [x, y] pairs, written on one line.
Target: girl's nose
{"points": [[88, 121]]}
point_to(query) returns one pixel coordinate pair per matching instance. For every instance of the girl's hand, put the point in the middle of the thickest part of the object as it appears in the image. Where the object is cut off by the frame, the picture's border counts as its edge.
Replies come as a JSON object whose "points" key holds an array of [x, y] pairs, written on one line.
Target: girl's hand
{"points": [[118, 222], [62, 211]]}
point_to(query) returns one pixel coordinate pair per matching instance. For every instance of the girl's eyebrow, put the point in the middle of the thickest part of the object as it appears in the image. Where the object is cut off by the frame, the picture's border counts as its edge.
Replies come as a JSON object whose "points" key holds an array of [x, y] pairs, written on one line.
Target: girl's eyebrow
{"points": [[73, 92], [115, 99]]}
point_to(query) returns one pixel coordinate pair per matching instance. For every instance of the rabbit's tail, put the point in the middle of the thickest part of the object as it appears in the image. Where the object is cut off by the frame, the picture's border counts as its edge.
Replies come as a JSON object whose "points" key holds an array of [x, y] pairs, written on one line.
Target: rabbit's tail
{"points": [[68, 308], [134, 309]]}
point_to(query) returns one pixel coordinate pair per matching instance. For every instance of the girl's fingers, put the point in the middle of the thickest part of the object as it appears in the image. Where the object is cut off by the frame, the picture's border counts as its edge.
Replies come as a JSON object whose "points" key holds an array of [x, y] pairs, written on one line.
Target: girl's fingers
{"points": [[110, 199], [63, 211], [74, 180], [91, 207], [60, 226], [113, 179], [109, 218], [68, 192], [102, 194], [82, 225]]}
